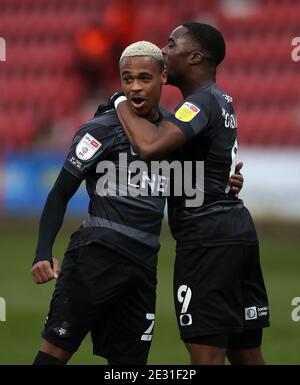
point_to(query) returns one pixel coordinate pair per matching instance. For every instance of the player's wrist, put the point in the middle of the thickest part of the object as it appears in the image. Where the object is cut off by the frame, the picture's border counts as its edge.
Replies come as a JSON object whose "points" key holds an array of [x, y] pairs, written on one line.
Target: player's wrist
{"points": [[119, 100], [42, 256]]}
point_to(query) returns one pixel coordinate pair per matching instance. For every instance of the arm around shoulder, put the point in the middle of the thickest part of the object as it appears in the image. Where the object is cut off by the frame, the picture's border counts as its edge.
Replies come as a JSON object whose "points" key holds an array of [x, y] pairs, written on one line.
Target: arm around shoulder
{"points": [[150, 141]]}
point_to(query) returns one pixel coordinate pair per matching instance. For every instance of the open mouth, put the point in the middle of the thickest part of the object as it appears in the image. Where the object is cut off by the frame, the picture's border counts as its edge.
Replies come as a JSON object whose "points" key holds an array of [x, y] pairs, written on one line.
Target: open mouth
{"points": [[138, 101]]}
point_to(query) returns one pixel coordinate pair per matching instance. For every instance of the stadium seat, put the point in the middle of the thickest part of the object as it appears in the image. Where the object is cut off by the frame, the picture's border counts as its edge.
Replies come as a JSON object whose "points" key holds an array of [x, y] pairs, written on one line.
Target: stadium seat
{"points": [[260, 87], [40, 73], [268, 127], [256, 50]]}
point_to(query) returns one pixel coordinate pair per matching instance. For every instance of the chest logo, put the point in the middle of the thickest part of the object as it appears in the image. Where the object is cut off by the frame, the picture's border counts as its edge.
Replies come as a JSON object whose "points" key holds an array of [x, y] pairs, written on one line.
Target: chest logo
{"points": [[187, 112]]}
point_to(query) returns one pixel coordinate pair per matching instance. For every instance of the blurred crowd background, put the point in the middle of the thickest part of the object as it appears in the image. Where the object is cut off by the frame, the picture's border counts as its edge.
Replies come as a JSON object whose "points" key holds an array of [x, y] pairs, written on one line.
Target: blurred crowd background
{"points": [[62, 61]]}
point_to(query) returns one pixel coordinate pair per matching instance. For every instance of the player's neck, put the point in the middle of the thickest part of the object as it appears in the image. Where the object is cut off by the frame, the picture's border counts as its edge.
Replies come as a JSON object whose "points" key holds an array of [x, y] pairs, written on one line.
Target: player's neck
{"points": [[195, 82], [153, 115]]}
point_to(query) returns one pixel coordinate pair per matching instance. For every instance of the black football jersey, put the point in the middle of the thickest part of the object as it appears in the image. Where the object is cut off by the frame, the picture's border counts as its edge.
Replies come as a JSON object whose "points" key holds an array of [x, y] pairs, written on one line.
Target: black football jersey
{"points": [[208, 121], [128, 223]]}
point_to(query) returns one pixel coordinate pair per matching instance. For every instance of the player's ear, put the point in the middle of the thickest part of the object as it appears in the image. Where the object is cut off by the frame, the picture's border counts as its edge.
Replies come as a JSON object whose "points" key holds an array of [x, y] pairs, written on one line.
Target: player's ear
{"points": [[164, 76], [196, 57]]}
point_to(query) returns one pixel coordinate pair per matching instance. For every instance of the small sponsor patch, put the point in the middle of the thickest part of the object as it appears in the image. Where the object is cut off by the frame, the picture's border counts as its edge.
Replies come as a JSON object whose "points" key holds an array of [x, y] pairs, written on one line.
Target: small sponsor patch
{"points": [[186, 319], [87, 147], [250, 313], [75, 162], [187, 112]]}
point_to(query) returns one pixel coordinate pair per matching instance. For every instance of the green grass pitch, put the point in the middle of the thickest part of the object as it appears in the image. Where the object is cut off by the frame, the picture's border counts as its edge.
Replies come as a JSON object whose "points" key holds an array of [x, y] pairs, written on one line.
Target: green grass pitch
{"points": [[27, 304]]}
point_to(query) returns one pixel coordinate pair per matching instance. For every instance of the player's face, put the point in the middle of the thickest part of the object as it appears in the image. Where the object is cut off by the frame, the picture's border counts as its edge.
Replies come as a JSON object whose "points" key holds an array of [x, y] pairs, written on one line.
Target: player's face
{"points": [[176, 54], [142, 81]]}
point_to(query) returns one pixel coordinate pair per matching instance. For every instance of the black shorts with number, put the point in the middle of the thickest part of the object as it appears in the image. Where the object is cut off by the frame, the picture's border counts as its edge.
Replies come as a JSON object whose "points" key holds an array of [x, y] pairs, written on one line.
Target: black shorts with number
{"points": [[102, 293], [219, 290]]}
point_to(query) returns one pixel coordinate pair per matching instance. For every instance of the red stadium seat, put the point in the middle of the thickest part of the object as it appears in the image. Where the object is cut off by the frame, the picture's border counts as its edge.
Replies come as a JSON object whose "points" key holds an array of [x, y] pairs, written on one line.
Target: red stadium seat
{"points": [[262, 87], [268, 127], [256, 50], [17, 129], [40, 72]]}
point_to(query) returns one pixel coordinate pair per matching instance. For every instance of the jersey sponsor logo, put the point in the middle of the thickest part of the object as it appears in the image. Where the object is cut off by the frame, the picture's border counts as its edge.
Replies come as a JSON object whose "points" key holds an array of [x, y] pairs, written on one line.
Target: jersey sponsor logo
{"points": [[262, 311], [187, 112], [87, 147], [250, 313], [185, 319], [157, 183], [95, 144]]}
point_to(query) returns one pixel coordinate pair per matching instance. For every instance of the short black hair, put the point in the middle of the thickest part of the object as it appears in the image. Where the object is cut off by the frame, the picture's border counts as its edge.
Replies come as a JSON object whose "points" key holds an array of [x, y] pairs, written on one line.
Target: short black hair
{"points": [[209, 38]]}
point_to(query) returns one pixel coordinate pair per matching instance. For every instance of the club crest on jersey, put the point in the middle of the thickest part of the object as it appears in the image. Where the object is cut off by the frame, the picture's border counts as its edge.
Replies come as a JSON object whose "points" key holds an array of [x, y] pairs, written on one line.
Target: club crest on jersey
{"points": [[87, 147], [187, 112]]}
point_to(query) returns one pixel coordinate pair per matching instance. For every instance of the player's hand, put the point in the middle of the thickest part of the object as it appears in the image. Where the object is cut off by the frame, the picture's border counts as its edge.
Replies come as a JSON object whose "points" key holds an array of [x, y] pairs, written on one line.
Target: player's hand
{"points": [[113, 98], [237, 180], [110, 104], [43, 272]]}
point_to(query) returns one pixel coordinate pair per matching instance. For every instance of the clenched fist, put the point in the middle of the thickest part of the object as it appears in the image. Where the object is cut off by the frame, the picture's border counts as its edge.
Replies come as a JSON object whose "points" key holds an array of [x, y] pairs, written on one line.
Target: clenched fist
{"points": [[43, 272]]}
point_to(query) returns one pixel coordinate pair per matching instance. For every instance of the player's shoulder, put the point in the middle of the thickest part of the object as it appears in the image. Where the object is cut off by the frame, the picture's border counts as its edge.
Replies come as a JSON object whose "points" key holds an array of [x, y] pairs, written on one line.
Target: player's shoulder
{"points": [[108, 118], [202, 96], [196, 104], [220, 95], [201, 99], [209, 95], [101, 126], [211, 99]]}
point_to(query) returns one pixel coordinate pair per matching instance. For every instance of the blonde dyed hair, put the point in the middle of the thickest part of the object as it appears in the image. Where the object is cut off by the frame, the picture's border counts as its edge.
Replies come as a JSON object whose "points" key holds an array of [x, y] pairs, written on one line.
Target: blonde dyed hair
{"points": [[144, 48]]}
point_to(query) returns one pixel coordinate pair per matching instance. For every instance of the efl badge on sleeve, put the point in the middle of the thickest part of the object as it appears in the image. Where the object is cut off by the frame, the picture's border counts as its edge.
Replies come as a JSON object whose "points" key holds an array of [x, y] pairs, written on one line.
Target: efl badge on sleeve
{"points": [[187, 112], [87, 147]]}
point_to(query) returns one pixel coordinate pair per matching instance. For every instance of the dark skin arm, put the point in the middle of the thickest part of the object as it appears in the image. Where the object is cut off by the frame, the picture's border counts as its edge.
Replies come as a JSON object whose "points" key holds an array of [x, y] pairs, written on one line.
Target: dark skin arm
{"points": [[152, 142]]}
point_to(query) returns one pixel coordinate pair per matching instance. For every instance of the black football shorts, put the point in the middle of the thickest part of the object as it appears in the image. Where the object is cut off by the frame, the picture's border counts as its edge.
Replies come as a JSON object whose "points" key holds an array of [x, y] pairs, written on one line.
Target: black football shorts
{"points": [[219, 290], [102, 293]]}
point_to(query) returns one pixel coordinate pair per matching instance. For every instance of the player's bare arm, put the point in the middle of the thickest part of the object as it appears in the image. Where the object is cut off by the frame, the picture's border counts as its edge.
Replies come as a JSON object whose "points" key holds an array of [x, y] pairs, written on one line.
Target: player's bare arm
{"points": [[45, 266], [154, 142], [150, 141]]}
